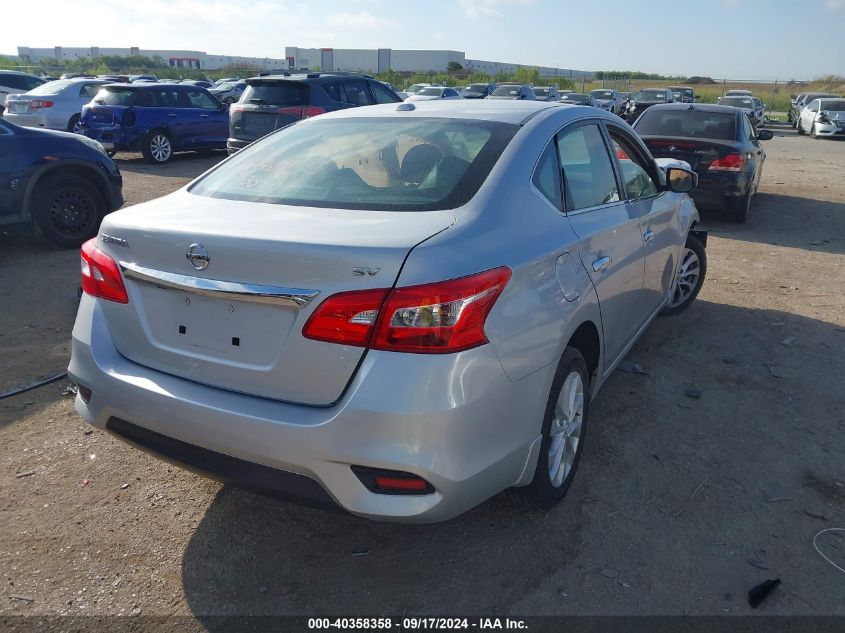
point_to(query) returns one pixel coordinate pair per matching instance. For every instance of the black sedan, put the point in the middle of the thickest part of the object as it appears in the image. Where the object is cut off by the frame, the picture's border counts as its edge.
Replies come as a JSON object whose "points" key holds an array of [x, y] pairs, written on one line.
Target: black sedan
{"points": [[60, 183], [644, 99], [478, 91], [720, 145]]}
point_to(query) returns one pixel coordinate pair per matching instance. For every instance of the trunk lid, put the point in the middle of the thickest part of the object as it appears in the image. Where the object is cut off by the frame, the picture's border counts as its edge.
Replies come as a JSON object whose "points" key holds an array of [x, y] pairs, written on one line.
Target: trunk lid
{"points": [[103, 116], [20, 103], [246, 342], [699, 153]]}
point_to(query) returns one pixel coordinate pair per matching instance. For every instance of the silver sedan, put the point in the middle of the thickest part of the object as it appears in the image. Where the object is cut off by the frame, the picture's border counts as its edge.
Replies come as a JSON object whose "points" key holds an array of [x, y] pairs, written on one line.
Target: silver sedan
{"points": [[54, 105], [399, 310]]}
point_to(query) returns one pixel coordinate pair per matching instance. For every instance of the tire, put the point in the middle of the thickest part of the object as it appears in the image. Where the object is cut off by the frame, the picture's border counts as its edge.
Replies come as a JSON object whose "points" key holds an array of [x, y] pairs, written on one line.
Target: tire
{"points": [[738, 209], [73, 125], [689, 279], [66, 210], [798, 127], [813, 131], [564, 431], [157, 148]]}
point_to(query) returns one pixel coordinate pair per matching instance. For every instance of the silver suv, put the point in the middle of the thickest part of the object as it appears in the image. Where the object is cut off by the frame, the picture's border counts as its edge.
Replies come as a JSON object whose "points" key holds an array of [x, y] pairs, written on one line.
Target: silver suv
{"points": [[399, 310]]}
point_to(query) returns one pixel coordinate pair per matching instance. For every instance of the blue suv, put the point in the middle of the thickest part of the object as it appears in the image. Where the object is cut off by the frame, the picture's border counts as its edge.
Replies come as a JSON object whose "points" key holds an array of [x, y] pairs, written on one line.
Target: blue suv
{"points": [[157, 119]]}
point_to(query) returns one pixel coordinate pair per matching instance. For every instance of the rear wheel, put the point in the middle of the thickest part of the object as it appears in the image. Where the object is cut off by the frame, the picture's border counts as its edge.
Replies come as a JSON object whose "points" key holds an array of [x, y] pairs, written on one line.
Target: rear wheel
{"points": [[813, 131], [739, 208], [158, 149], [66, 210], [798, 126], [689, 279], [564, 427], [73, 125]]}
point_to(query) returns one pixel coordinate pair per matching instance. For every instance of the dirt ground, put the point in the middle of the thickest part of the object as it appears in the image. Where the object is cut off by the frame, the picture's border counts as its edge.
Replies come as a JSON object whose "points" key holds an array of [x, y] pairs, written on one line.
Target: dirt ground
{"points": [[680, 506]]}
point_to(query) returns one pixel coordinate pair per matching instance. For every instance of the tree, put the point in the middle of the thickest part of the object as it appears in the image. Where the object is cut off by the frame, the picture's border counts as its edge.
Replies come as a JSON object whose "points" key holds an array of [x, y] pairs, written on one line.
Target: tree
{"points": [[454, 67], [527, 75]]}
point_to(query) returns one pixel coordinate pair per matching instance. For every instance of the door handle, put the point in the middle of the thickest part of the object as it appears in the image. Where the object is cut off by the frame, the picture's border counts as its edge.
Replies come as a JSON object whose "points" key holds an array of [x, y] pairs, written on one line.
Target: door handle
{"points": [[601, 263], [648, 235], [203, 116]]}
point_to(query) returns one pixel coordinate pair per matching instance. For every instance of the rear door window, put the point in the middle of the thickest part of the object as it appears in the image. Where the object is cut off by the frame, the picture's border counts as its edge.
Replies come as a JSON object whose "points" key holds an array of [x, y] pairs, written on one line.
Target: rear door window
{"points": [[357, 93], [589, 180], [382, 94], [334, 90]]}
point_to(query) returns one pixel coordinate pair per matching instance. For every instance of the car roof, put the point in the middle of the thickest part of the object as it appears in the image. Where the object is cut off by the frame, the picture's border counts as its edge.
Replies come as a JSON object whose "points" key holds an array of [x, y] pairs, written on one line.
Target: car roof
{"points": [[17, 72], [513, 112]]}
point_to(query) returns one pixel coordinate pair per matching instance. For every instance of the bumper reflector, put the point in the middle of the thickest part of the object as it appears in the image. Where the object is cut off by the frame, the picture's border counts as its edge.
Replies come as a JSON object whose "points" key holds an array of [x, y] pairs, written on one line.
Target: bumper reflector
{"points": [[392, 482]]}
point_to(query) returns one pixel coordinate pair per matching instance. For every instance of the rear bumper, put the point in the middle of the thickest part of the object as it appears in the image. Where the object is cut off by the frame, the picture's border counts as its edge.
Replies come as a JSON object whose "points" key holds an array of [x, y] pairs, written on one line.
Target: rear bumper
{"points": [[456, 420], [234, 144], [33, 119], [714, 189], [116, 138]]}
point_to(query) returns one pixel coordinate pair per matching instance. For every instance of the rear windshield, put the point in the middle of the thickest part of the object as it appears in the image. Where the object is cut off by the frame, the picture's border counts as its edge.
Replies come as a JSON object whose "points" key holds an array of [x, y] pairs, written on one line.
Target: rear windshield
{"points": [[52, 87], [542, 92], [506, 91], [650, 95], [476, 88], [737, 102], [382, 164], [687, 123], [115, 95], [430, 92], [276, 93], [602, 94]]}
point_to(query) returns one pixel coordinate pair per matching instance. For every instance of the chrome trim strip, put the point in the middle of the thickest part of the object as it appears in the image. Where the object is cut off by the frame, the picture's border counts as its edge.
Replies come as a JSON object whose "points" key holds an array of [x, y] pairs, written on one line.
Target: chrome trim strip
{"points": [[255, 293]]}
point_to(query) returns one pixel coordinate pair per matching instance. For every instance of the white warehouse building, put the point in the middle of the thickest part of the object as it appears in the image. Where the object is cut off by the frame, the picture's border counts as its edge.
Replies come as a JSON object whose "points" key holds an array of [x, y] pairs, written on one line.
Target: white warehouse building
{"points": [[420, 61], [373, 60], [199, 60]]}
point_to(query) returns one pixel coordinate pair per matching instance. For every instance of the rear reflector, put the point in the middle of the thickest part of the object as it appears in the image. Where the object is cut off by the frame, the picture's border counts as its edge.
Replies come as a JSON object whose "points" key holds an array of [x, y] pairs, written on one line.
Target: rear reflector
{"points": [[436, 318], [392, 482], [100, 274], [731, 162]]}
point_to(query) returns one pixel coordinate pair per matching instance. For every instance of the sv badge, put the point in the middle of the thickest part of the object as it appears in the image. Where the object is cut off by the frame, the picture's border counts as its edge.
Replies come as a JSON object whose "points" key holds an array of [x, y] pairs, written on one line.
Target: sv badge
{"points": [[360, 271]]}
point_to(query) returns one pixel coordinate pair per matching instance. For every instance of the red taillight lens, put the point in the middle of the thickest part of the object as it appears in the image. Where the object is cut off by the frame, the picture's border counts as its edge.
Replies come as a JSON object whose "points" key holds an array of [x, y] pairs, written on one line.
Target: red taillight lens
{"points": [[436, 318], [346, 318], [35, 104], [309, 111], [731, 162], [439, 318], [100, 274], [402, 483]]}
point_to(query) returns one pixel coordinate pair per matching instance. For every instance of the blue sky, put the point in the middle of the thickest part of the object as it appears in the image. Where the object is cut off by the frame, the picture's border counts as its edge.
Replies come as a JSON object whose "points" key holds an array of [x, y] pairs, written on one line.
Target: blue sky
{"points": [[738, 39]]}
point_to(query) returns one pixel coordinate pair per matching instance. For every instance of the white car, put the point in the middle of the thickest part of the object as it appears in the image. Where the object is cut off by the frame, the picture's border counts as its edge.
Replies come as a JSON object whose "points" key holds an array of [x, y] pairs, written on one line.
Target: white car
{"points": [[823, 117], [737, 93], [12, 81], [55, 105], [433, 93]]}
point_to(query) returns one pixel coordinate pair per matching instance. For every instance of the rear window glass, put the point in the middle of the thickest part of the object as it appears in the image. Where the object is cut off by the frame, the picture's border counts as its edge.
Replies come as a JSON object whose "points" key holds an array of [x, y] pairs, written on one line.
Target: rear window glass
{"points": [[737, 102], [277, 93], [115, 96], [373, 163], [430, 92], [687, 123], [506, 91], [602, 94], [52, 87]]}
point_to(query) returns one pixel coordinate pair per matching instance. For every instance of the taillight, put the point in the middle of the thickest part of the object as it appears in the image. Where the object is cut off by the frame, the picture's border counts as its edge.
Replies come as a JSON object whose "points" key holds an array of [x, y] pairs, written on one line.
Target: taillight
{"points": [[100, 274], [731, 162], [35, 104], [436, 318], [309, 111], [346, 318]]}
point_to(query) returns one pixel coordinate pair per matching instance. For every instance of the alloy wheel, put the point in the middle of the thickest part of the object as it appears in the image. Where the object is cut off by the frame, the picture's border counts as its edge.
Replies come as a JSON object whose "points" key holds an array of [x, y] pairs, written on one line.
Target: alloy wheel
{"points": [[565, 430], [160, 148], [686, 279]]}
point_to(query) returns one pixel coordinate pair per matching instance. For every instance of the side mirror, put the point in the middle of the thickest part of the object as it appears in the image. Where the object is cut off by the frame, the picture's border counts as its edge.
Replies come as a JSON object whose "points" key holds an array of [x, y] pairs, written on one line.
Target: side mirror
{"points": [[681, 180], [765, 135]]}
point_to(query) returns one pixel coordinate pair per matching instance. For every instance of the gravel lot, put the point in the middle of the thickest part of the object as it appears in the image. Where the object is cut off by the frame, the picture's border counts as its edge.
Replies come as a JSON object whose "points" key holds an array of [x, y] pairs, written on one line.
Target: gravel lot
{"points": [[681, 504]]}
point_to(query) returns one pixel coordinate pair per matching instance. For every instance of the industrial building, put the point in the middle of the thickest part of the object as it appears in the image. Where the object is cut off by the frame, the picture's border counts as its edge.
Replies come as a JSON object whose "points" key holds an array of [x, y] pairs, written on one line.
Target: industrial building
{"points": [[198, 60], [373, 60], [420, 61]]}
